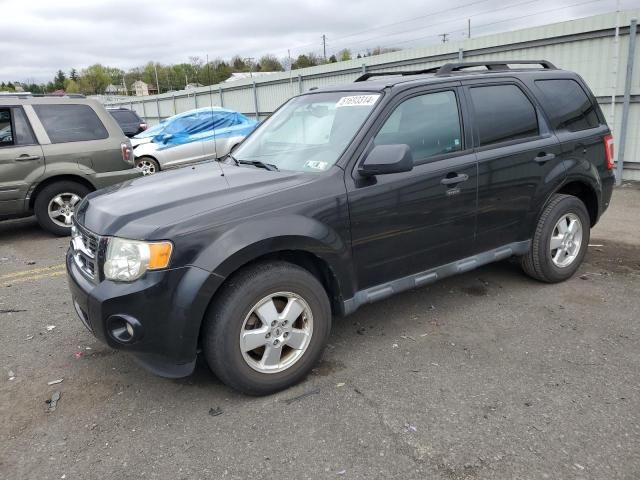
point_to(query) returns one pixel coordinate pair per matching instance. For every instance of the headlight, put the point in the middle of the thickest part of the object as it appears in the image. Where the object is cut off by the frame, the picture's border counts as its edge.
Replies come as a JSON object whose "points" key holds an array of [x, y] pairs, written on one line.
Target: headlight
{"points": [[127, 260]]}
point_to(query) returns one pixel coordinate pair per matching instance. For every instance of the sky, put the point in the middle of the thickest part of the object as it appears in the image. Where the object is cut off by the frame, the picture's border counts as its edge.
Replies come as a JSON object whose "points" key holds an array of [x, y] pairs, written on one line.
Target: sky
{"points": [[40, 36]]}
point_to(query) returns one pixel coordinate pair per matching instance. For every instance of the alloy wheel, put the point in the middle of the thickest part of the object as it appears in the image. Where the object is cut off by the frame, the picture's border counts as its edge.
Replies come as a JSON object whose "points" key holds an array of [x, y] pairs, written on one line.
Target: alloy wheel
{"points": [[276, 332]]}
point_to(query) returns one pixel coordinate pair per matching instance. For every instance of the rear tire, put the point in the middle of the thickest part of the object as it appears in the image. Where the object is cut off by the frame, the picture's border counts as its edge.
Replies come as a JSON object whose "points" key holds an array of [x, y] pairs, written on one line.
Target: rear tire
{"points": [[61, 198], [560, 240], [147, 165], [252, 309]]}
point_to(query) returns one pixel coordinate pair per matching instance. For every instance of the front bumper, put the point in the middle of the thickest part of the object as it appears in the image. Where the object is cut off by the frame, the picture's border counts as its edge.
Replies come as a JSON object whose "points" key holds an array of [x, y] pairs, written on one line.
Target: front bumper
{"points": [[167, 305]]}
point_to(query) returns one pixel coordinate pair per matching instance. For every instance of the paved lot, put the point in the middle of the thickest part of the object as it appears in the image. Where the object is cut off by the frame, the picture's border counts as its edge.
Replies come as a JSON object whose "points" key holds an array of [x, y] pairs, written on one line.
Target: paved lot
{"points": [[486, 375]]}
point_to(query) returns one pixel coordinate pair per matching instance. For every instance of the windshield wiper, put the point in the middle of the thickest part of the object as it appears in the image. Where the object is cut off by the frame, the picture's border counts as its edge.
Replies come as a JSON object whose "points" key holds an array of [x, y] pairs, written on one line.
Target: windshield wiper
{"points": [[235, 160], [257, 163]]}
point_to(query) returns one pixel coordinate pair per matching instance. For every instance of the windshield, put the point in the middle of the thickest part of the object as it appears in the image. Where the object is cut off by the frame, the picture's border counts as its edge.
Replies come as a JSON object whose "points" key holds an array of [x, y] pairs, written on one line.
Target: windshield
{"points": [[310, 132]]}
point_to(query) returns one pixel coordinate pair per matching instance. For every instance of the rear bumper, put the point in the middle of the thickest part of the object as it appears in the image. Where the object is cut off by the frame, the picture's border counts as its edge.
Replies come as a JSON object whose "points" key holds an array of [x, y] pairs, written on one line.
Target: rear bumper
{"points": [[606, 194], [165, 307], [102, 180]]}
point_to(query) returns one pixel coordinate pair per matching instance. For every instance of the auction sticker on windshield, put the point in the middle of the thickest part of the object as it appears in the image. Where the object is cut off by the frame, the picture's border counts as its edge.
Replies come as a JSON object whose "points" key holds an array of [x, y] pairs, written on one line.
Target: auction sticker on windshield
{"points": [[357, 101]]}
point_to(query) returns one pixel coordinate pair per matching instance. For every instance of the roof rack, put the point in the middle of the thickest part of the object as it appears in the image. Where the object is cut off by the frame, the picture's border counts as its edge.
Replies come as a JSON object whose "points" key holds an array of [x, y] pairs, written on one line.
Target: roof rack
{"points": [[448, 68]]}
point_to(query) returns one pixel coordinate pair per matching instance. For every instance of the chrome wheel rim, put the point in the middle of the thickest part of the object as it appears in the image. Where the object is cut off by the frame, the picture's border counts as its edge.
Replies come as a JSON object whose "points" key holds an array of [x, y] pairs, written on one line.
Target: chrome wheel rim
{"points": [[146, 167], [60, 208], [566, 240], [276, 332]]}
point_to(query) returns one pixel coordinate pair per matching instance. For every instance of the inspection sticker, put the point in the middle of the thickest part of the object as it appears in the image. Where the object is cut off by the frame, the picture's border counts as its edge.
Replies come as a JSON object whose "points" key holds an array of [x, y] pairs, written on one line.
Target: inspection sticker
{"points": [[316, 165], [357, 101]]}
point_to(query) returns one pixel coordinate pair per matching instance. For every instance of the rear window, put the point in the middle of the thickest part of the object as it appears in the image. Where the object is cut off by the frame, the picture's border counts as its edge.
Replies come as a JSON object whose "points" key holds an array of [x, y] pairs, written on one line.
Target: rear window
{"points": [[503, 113], [567, 105], [124, 116], [70, 123]]}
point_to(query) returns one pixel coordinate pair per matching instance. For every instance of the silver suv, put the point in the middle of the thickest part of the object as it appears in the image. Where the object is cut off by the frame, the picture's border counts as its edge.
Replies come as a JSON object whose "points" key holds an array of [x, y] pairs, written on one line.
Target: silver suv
{"points": [[53, 152]]}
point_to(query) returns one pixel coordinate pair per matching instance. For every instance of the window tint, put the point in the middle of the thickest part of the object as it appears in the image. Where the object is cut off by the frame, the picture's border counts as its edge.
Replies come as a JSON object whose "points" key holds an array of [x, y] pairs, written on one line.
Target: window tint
{"points": [[124, 116], [6, 132], [429, 124], [70, 123], [24, 134], [503, 113], [567, 105]]}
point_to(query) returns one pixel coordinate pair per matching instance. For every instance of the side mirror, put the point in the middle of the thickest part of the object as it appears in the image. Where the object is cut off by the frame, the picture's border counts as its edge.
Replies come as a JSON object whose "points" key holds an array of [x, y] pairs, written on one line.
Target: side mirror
{"points": [[384, 159], [166, 137]]}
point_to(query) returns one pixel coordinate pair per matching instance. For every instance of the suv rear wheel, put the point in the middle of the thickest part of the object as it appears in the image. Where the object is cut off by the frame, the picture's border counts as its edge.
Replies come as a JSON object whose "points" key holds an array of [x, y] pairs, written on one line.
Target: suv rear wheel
{"points": [[55, 203], [560, 241], [268, 328]]}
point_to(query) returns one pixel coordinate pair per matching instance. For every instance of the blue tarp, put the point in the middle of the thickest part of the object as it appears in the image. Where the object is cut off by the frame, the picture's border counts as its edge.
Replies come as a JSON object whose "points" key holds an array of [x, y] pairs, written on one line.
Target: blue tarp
{"points": [[199, 125]]}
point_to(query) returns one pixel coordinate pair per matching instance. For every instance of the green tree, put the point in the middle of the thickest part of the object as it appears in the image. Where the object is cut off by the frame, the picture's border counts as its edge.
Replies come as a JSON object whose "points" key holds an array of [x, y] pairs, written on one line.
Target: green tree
{"points": [[333, 59], [73, 75], [304, 61], [94, 79], [269, 63], [58, 80], [344, 55], [71, 86]]}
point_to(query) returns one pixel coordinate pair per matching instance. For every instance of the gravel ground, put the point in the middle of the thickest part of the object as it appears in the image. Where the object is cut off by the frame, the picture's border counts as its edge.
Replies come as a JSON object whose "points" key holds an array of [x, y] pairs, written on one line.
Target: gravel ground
{"points": [[485, 375]]}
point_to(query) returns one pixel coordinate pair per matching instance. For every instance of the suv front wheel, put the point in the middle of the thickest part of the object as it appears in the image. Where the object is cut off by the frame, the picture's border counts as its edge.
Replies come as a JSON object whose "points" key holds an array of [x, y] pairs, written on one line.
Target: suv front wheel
{"points": [[268, 328], [55, 203], [560, 241]]}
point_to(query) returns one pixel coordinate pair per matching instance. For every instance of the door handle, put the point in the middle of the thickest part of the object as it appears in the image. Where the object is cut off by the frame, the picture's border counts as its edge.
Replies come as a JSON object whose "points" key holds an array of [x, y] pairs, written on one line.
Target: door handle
{"points": [[544, 157], [463, 177], [27, 158]]}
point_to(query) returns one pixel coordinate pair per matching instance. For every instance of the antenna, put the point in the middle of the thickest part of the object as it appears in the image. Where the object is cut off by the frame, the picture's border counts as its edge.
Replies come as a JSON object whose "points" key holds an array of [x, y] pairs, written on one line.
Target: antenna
{"points": [[215, 143]]}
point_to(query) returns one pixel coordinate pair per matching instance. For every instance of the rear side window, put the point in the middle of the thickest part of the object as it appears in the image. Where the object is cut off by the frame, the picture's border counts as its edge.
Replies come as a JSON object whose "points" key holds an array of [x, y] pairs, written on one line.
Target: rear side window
{"points": [[125, 116], [24, 134], [503, 113], [429, 124], [567, 105], [70, 123]]}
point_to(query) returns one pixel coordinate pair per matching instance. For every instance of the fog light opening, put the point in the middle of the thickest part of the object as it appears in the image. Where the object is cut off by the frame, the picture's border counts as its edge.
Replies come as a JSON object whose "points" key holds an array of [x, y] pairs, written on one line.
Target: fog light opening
{"points": [[124, 329]]}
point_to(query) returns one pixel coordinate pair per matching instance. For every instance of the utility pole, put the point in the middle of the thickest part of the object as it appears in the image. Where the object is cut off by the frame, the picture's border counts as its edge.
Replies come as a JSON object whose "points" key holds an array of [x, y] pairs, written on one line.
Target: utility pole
{"points": [[324, 46], [444, 38], [155, 68], [468, 28]]}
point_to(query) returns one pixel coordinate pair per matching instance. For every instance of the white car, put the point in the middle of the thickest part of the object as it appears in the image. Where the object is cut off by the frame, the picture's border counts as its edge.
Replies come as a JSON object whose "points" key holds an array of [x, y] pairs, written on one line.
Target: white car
{"points": [[193, 136]]}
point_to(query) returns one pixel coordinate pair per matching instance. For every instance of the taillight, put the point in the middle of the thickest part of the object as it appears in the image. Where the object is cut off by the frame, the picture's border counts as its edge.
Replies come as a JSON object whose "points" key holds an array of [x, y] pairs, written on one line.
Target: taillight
{"points": [[608, 150], [143, 126], [127, 154]]}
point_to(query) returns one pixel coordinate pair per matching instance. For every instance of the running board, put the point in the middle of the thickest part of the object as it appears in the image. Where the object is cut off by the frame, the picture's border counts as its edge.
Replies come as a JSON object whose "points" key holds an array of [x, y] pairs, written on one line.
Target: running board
{"points": [[421, 279]]}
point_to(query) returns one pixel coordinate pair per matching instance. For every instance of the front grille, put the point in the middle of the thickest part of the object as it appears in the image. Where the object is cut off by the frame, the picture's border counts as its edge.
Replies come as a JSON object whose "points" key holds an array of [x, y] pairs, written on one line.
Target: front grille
{"points": [[85, 247]]}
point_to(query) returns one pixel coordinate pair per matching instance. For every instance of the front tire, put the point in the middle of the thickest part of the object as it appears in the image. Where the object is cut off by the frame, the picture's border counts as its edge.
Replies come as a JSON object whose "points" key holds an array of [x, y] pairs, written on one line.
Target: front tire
{"points": [[267, 328], [55, 203], [560, 240]]}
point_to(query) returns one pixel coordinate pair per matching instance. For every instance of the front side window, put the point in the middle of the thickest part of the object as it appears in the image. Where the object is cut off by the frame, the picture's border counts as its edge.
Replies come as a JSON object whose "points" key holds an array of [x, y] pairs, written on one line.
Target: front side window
{"points": [[310, 132], [70, 123], [429, 124], [503, 113], [567, 105]]}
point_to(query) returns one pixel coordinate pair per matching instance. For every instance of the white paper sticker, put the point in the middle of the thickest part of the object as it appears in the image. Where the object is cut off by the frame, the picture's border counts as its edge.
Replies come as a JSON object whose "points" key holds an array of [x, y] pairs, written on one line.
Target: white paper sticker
{"points": [[316, 165], [357, 101]]}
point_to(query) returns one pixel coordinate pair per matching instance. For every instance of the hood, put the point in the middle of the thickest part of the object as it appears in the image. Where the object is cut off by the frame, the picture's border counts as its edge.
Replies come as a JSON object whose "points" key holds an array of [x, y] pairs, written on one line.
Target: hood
{"points": [[135, 141], [139, 208]]}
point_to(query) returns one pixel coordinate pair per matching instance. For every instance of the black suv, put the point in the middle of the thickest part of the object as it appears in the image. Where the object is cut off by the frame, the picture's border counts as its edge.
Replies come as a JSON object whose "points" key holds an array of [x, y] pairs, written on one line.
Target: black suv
{"points": [[128, 120], [344, 196]]}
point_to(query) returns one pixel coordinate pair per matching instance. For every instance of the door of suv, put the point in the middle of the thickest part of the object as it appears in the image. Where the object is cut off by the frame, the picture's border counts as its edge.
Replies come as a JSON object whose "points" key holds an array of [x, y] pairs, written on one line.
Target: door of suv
{"points": [[405, 223], [519, 160], [21, 160]]}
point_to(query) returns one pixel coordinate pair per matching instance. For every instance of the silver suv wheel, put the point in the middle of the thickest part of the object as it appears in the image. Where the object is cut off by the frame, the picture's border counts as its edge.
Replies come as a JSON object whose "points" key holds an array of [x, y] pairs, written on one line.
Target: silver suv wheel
{"points": [[276, 332], [566, 240], [60, 208]]}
